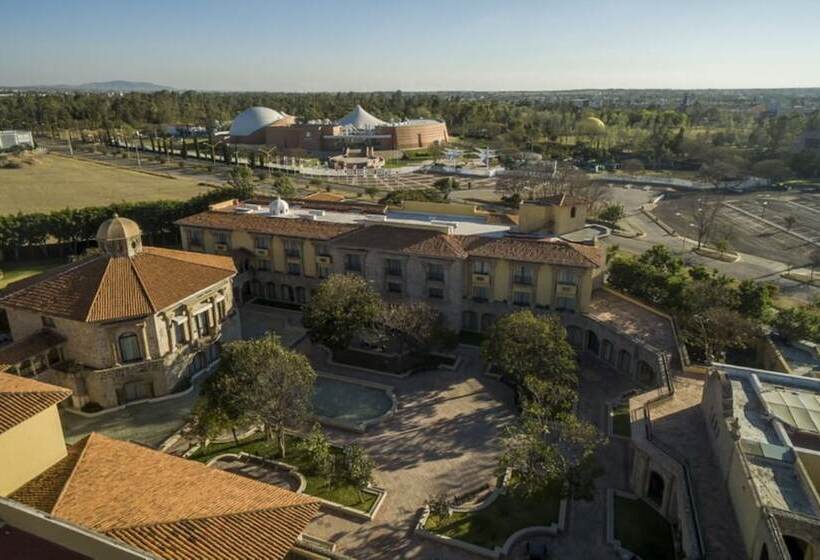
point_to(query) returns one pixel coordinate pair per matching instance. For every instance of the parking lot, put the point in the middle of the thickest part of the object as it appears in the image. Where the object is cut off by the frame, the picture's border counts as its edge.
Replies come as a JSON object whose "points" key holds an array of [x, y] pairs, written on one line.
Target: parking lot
{"points": [[782, 226]]}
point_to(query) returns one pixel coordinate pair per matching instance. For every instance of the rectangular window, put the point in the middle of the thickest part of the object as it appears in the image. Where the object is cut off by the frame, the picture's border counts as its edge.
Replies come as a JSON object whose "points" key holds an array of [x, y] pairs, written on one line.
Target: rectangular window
{"points": [[434, 292], [261, 242], [194, 237], [203, 323], [221, 237], [130, 348], [262, 265], [220, 309], [481, 267], [522, 275], [481, 293], [566, 276], [435, 272], [353, 263], [47, 322], [179, 331], [294, 269], [392, 267], [394, 287], [323, 271], [521, 298], [292, 248], [567, 304]]}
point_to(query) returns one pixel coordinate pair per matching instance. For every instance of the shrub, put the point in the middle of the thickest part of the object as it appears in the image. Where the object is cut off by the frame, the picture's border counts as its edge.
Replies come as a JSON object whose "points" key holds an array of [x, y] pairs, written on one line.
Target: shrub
{"points": [[91, 407], [440, 505]]}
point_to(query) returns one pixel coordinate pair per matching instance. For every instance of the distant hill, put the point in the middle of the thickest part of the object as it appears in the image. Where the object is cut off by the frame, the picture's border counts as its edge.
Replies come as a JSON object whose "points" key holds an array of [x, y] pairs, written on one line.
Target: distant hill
{"points": [[114, 85]]}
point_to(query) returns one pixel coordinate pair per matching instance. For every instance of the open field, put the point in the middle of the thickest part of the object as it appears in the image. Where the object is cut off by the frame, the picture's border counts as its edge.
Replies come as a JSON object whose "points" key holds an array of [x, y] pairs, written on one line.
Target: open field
{"points": [[18, 271], [757, 223], [55, 182]]}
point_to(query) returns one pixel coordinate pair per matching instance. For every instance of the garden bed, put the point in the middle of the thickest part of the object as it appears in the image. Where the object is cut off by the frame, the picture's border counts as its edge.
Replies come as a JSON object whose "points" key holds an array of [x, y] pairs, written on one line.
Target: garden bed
{"points": [[512, 511], [318, 486], [642, 530]]}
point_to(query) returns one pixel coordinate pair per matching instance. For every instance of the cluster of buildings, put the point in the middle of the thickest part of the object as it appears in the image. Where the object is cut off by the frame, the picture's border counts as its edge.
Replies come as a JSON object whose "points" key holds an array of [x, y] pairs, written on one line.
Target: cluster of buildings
{"points": [[261, 126]]}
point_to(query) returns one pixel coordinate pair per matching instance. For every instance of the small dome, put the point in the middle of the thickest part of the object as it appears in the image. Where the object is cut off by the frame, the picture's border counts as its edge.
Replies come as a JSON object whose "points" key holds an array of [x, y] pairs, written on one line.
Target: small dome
{"points": [[591, 125], [250, 120], [279, 207], [119, 237]]}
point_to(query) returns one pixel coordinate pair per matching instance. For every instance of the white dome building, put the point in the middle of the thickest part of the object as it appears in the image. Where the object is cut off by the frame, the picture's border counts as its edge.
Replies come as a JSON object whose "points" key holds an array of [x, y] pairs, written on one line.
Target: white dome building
{"points": [[279, 207], [249, 126]]}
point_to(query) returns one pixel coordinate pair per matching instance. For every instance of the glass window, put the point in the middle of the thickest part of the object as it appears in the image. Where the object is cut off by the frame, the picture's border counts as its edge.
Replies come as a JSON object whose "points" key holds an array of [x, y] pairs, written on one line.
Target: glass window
{"points": [[221, 237], [203, 323], [565, 303], [179, 332], [194, 237], [522, 275], [323, 270], [262, 265], [567, 276], [295, 269], [129, 348], [393, 267], [220, 310], [435, 272], [481, 293], [353, 263], [481, 267], [394, 287], [261, 242], [521, 298], [292, 248], [434, 292]]}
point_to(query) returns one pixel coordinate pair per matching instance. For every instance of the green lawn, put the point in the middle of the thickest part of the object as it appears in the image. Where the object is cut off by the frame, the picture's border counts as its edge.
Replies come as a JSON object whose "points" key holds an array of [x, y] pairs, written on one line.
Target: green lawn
{"points": [[620, 420], [642, 530], [344, 494], [492, 526], [18, 271]]}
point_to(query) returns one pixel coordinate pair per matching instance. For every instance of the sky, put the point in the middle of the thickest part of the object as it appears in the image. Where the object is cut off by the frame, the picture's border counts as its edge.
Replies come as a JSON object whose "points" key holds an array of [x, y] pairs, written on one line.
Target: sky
{"points": [[413, 45]]}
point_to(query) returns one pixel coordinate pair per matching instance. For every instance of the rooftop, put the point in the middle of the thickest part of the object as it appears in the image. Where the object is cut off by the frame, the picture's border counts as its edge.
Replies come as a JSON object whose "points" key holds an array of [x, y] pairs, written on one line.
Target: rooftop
{"points": [[22, 398], [105, 288], [31, 345], [145, 499]]}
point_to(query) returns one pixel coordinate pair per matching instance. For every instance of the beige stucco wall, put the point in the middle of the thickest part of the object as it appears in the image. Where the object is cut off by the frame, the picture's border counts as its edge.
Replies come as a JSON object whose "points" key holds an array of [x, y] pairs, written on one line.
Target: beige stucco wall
{"points": [[553, 218], [452, 208], [29, 448]]}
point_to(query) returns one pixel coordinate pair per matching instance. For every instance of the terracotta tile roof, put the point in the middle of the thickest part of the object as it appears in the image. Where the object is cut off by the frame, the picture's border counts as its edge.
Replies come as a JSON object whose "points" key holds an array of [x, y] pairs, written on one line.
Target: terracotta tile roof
{"points": [[408, 241], [33, 344], [172, 507], [106, 288], [287, 227], [550, 251], [21, 398]]}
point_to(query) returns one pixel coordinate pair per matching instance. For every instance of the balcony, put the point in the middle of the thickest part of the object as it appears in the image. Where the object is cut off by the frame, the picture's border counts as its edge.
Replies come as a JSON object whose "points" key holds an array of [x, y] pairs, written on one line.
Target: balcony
{"points": [[564, 290], [523, 279], [261, 252], [481, 279], [292, 253], [392, 272], [221, 247], [324, 259], [435, 277]]}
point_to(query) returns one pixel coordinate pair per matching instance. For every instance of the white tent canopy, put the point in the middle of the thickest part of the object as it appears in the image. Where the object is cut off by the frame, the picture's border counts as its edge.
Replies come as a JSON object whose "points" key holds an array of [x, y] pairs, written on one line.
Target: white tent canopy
{"points": [[360, 119]]}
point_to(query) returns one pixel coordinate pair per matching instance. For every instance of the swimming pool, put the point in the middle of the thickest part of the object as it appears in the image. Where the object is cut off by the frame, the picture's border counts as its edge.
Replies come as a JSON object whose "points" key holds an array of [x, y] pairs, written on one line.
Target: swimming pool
{"points": [[350, 404]]}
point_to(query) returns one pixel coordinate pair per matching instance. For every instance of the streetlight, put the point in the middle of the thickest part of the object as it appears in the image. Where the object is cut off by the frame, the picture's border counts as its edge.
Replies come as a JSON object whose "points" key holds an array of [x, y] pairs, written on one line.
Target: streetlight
{"points": [[137, 150], [763, 211]]}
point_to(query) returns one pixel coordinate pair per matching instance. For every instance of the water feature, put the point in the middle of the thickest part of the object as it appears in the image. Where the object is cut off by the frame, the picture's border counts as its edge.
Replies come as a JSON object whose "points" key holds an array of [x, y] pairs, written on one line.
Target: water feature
{"points": [[349, 403]]}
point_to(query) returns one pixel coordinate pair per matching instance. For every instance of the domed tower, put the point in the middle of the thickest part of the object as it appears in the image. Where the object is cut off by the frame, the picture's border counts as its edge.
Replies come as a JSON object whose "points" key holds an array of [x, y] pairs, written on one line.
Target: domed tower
{"points": [[119, 237]]}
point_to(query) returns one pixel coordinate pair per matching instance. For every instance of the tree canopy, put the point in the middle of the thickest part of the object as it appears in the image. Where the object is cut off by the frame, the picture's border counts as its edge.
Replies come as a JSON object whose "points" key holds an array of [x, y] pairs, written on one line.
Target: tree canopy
{"points": [[343, 307]]}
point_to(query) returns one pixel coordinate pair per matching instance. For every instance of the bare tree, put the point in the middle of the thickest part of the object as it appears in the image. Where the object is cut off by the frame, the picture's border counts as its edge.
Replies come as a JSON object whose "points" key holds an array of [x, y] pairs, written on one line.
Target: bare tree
{"points": [[704, 214]]}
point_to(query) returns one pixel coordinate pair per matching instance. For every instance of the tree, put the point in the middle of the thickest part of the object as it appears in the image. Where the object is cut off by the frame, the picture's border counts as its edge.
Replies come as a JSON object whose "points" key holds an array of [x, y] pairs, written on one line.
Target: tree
{"points": [[542, 449], [704, 215], [799, 323], [440, 505], [208, 422], [789, 222], [522, 344], [273, 384], [414, 327], [320, 454], [283, 186], [343, 307], [716, 329], [241, 178], [445, 186], [632, 166], [612, 214], [372, 192], [358, 466], [772, 169], [755, 298]]}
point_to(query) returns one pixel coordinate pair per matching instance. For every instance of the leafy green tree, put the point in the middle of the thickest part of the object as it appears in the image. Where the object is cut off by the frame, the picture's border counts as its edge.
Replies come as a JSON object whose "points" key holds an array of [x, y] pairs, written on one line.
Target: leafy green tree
{"points": [[343, 307], [372, 192], [318, 449], [413, 326], [799, 323], [445, 186], [274, 384], [208, 421], [241, 177], [522, 344], [358, 466], [612, 214], [283, 186], [755, 298]]}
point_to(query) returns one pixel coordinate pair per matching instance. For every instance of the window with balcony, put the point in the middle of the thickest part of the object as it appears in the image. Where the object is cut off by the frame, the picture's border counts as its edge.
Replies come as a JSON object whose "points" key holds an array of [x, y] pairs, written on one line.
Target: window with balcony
{"points": [[261, 243], [129, 344], [392, 267], [394, 287], [481, 293], [523, 275], [262, 265], [481, 267], [294, 269], [221, 237], [194, 237], [323, 270], [567, 276], [353, 263], [292, 248], [521, 298], [435, 272], [434, 292]]}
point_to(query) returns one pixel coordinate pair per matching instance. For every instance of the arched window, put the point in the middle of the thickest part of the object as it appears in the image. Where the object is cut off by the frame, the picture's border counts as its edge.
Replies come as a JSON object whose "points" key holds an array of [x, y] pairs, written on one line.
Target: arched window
{"points": [[624, 360], [656, 488], [592, 342], [129, 348]]}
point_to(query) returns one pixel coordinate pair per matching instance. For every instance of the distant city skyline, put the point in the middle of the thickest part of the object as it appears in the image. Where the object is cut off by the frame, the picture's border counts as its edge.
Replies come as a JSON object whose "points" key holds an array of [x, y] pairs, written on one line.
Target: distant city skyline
{"points": [[366, 45]]}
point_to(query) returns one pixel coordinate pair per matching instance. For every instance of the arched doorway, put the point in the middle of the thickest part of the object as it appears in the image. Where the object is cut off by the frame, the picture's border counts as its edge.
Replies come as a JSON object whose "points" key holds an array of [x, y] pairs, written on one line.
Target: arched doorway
{"points": [[655, 488], [797, 547], [469, 321], [607, 351], [487, 320], [624, 361], [593, 346], [646, 375]]}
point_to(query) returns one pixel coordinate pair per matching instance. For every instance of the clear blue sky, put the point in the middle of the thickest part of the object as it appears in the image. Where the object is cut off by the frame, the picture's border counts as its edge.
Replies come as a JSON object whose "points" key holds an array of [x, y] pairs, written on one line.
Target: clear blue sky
{"points": [[320, 45]]}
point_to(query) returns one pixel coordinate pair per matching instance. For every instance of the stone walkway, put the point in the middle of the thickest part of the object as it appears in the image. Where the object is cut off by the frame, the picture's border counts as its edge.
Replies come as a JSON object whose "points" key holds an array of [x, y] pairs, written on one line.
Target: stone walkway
{"points": [[678, 423], [444, 437]]}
